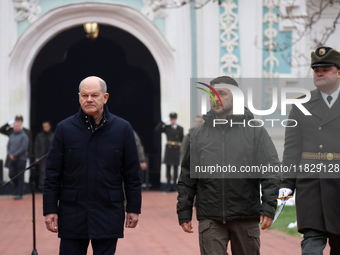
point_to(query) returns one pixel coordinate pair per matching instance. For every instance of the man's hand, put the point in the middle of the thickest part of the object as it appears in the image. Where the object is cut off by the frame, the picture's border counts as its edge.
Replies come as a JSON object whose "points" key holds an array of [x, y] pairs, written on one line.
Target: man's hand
{"points": [[51, 221], [143, 165], [12, 158], [187, 227], [284, 192], [131, 220], [267, 222]]}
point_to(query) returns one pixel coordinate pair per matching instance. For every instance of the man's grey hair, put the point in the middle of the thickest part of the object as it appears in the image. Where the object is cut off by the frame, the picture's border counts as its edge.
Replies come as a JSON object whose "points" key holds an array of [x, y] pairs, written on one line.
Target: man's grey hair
{"points": [[103, 86]]}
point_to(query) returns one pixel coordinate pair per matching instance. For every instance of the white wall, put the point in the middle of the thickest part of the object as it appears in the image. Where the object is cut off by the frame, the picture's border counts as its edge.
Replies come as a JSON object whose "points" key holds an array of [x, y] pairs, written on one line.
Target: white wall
{"points": [[8, 31]]}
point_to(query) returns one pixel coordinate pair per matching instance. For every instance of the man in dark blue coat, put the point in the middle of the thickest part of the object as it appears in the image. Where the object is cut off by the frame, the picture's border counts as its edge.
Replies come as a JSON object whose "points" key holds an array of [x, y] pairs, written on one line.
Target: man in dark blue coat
{"points": [[92, 154]]}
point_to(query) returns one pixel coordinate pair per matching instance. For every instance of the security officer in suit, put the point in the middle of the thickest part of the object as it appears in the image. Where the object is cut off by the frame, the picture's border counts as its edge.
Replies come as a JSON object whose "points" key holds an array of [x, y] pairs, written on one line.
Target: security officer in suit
{"points": [[174, 135], [312, 145]]}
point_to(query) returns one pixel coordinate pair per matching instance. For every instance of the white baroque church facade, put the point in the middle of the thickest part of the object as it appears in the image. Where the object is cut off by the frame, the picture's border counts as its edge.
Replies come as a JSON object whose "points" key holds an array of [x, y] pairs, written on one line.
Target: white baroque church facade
{"points": [[148, 52]]}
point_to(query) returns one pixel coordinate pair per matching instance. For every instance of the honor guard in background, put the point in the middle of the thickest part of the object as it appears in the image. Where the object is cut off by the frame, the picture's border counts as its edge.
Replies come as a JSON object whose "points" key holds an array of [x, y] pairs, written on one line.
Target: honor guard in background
{"points": [[174, 134], [312, 145]]}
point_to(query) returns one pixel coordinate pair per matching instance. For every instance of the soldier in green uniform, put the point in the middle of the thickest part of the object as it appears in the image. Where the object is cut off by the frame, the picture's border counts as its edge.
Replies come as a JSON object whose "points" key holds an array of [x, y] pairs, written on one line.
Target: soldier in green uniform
{"points": [[312, 145]]}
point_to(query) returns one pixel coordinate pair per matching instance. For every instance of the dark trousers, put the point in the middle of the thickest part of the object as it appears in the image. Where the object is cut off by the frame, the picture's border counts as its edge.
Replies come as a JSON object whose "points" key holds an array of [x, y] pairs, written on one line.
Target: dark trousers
{"points": [[314, 242], [168, 176], [168, 173], [244, 236], [79, 246], [14, 168]]}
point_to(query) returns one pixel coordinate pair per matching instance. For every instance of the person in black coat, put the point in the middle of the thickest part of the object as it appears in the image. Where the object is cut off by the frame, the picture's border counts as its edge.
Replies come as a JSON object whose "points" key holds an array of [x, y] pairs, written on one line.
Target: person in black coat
{"points": [[92, 154], [42, 144], [174, 134]]}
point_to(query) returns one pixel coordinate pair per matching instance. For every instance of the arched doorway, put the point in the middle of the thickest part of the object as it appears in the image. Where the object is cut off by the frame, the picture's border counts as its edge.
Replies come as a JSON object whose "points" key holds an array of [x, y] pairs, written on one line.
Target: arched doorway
{"points": [[66, 17], [118, 57]]}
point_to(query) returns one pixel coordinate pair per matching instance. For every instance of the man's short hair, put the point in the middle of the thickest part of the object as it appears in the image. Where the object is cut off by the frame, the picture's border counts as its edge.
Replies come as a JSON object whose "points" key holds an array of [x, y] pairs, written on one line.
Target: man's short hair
{"points": [[103, 86], [224, 79], [46, 121], [19, 118]]}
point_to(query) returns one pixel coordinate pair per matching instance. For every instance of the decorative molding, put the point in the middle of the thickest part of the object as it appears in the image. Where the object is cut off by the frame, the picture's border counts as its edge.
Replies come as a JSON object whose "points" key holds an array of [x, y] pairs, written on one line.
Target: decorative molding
{"points": [[155, 9], [229, 38], [27, 9], [270, 33], [292, 9], [68, 16]]}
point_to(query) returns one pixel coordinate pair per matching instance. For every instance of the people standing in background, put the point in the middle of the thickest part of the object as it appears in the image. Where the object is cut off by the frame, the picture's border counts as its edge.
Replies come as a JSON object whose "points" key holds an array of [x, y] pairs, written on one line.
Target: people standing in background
{"points": [[140, 150], [17, 152], [142, 161], [185, 143], [42, 144], [174, 134], [7, 129]]}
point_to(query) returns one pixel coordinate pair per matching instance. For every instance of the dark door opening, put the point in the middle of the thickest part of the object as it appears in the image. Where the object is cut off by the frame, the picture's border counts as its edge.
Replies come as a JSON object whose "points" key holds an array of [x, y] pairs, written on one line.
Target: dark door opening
{"points": [[127, 66]]}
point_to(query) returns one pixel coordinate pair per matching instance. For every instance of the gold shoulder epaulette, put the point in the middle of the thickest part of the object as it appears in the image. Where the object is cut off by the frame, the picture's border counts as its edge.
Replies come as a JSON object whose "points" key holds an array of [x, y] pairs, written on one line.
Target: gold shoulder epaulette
{"points": [[301, 96]]}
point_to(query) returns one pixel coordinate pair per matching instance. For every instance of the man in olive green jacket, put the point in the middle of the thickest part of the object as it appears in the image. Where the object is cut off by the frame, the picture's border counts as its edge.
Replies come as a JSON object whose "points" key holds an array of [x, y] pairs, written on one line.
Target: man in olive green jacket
{"points": [[228, 205]]}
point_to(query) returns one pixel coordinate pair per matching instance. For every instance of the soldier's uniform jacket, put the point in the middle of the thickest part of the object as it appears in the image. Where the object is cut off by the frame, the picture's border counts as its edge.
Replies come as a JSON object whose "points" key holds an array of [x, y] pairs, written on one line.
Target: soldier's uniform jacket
{"points": [[174, 138], [317, 193]]}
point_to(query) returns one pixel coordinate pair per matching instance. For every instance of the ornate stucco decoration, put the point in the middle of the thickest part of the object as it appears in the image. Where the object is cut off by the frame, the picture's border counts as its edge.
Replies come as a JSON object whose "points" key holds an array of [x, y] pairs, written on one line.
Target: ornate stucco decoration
{"points": [[27, 9], [229, 38], [292, 14], [269, 45], [270, 33], [155, 9]]}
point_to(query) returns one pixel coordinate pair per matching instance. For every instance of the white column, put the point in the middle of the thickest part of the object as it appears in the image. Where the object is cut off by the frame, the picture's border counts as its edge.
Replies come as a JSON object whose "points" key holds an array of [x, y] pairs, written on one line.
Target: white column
{"points": [[250, 31], [208, 47], [8, 31], [175, 95]]}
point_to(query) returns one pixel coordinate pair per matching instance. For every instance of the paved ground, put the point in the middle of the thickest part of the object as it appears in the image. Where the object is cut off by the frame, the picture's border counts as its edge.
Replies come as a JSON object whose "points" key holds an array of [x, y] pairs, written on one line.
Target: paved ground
{"points": [[157, 232]]}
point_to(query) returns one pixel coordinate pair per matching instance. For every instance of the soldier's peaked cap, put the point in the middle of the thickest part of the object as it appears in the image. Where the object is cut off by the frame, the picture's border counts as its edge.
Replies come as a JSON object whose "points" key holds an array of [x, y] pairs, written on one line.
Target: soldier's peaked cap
{"points": [[325, 56], [173, 115]]}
